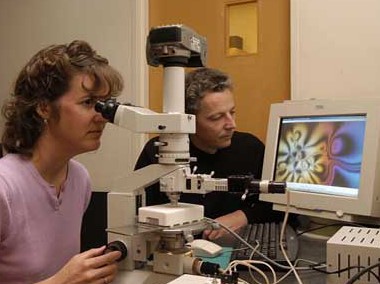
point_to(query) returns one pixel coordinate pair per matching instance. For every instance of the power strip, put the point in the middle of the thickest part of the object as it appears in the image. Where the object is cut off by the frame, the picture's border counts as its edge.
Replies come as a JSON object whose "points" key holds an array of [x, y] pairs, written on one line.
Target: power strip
{"points": [[356, 247]]}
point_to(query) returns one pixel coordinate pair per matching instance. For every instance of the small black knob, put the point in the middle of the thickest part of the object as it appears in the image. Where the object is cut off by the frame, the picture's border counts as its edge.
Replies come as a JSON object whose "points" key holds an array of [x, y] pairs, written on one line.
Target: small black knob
{"points": [[107, 108], [117, 246]]}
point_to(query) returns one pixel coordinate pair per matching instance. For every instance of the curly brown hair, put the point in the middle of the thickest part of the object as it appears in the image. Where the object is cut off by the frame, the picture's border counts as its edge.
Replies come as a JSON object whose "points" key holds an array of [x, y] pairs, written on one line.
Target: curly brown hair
{"points": [[44, 79]]}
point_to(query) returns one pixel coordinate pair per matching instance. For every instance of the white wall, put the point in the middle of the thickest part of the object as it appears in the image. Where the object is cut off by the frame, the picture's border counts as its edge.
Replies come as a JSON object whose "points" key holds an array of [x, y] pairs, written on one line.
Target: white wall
{"points": [[335, 48], [115, 28]]}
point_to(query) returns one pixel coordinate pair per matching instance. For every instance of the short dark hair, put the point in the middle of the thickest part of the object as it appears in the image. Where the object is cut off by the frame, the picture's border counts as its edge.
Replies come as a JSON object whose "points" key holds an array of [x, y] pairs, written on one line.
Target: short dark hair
{"points": [[44, 79], [202, 81]]}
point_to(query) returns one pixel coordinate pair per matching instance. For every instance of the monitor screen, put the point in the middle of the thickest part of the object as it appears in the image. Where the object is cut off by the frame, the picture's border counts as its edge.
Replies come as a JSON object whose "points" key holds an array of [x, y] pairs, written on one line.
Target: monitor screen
{"points": [[328, 153], [321, 154]]}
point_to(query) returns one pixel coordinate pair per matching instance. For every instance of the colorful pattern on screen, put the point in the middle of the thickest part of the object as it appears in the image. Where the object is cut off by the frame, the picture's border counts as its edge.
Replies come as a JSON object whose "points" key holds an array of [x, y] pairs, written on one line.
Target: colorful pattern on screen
{"points": [[321, 152]]}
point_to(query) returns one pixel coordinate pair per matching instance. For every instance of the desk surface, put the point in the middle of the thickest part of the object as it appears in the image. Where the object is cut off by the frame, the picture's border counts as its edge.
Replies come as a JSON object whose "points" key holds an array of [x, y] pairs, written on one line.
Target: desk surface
{"points": [[142, 277], [310, 249]]}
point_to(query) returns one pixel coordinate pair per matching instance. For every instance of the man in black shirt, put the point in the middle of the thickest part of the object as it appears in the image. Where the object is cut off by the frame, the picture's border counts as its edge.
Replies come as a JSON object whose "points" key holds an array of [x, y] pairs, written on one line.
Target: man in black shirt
{"points": [[217, 148]]}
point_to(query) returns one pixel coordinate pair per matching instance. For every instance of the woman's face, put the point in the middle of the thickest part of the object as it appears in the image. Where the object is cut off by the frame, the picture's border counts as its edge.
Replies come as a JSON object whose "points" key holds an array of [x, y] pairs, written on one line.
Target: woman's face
{"points": [[78, 127]]}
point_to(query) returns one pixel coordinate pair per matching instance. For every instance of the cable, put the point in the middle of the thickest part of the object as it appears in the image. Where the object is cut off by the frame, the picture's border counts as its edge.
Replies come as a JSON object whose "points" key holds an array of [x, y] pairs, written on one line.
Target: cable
{"points": [[298, 268], [270, 267], [360, 273], [326, 226], [284, 267], [291, 267], [247, 244], [282, 235], [235, 263]]}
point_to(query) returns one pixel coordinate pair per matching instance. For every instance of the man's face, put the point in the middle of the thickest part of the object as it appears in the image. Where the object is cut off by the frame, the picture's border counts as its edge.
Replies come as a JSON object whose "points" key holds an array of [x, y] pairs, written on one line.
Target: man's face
{"points": [[79, 127], [215, 122]]}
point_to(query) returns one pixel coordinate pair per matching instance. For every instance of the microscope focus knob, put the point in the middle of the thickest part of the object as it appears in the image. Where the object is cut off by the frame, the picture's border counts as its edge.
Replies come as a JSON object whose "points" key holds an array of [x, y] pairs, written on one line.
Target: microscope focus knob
{"points": [[117, 246]]}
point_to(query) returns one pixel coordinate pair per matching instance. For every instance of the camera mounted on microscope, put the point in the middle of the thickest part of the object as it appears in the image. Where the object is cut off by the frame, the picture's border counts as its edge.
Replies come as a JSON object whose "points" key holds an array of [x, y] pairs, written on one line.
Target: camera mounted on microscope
{"points": [[175, 45]]}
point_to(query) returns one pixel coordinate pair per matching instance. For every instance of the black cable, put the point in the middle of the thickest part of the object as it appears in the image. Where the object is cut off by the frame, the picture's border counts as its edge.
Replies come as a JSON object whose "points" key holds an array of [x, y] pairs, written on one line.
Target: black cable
{"points": [[365, 270], [325, 226], [313, 267]]}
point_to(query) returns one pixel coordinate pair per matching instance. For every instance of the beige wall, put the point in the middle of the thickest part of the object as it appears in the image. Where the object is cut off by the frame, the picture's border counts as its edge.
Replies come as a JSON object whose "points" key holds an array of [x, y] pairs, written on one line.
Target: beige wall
{"points": [[116, 28], [335, 49]]}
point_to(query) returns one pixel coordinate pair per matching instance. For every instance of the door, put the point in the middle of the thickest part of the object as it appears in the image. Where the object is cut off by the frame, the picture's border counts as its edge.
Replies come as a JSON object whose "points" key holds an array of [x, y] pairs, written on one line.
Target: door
{"points": [[260, 79]]}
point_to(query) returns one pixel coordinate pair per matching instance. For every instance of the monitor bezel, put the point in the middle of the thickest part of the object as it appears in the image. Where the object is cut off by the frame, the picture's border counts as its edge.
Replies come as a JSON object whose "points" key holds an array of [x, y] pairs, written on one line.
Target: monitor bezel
{"points": [[367, 204]]}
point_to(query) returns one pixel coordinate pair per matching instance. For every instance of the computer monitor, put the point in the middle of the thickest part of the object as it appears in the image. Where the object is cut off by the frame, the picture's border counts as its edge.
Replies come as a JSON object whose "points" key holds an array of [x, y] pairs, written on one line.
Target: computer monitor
{"points": [[328, 153]]}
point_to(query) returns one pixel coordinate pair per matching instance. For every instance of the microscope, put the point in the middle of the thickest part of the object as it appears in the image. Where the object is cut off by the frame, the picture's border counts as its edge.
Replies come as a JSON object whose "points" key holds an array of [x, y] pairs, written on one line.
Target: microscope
{"points": [[163, 230]]}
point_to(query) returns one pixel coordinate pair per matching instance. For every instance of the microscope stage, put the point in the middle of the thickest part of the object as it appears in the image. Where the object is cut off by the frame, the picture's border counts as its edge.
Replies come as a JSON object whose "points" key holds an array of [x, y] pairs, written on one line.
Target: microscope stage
{"points": [[169, 215]]}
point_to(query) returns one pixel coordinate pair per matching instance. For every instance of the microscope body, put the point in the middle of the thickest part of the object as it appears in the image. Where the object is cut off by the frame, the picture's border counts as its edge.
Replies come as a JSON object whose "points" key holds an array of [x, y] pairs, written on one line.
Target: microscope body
{"points": [[163, 230], [159, 231]]}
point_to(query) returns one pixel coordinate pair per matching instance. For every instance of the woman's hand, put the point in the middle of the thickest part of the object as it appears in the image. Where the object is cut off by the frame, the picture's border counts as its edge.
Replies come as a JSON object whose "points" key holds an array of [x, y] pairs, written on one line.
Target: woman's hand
{"points": [[91, 266]]}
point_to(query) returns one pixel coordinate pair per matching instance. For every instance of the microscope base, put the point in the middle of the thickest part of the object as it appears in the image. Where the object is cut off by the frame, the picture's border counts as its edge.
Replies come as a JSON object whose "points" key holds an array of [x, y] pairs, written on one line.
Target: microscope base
{"points": [[169, 215]]}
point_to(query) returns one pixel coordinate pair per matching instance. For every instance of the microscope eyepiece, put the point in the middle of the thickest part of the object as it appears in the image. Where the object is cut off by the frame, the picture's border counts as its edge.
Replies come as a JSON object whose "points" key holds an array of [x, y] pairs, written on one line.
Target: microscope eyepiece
{"points": [[107, 108]]}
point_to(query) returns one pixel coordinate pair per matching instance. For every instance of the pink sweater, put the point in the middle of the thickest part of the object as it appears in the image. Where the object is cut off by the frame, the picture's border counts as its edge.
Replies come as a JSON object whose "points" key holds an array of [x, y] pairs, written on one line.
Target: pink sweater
{"points": [[39, 232]]}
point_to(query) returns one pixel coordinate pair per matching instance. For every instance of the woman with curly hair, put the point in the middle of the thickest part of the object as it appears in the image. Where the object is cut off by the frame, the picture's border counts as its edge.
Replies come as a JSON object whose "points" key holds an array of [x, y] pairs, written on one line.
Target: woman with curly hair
{"points": [[44, 193]]}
